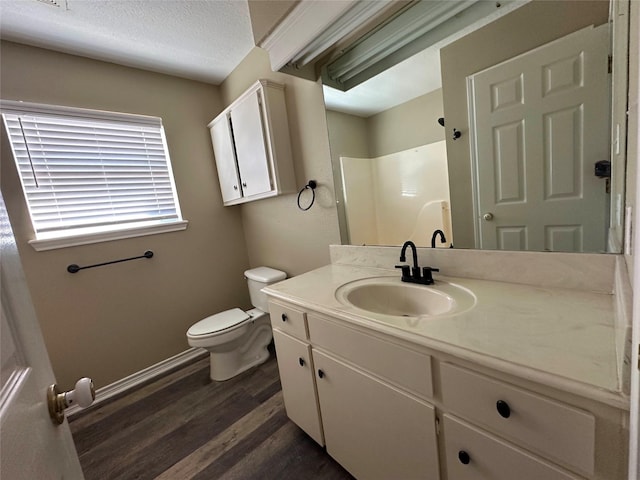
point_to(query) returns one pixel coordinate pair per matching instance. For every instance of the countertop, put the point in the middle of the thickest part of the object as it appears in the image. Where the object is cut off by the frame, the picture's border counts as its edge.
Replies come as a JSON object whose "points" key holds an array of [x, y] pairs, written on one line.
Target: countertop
{"points": [[559, 337]]}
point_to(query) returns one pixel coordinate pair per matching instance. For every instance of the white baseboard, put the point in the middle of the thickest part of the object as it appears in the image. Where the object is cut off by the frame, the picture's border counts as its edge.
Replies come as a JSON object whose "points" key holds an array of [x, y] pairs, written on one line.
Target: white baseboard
{"points": [[142, 376]]}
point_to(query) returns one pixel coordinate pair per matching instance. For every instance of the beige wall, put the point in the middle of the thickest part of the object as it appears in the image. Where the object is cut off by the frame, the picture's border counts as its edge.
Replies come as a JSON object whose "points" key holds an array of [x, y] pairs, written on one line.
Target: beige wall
{"points": [[112, 321], [278, 234], [407, 125], [530, 26]]}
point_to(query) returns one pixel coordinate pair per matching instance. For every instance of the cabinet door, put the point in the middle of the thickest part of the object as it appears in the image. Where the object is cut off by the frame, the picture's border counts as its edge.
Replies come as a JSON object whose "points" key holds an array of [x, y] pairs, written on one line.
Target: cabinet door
{"points": [[298, 384], [222, 140], [475, 455], [374, 430], [251, 148]]}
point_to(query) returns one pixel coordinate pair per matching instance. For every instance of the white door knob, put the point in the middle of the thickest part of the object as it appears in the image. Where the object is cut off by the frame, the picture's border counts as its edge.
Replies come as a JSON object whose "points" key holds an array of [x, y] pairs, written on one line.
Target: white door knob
{"points": [[488, 216], [83, 395]]}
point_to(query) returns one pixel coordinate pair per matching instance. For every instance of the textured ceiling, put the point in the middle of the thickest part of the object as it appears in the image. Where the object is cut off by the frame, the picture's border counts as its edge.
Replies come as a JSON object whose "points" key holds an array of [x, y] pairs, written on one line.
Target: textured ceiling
{"points": [[202, 40], [197, 39]]}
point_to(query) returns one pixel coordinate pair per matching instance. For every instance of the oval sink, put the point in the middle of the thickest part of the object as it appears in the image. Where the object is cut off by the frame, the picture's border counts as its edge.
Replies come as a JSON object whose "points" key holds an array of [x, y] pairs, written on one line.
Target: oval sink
{"points": [[390, 296]]}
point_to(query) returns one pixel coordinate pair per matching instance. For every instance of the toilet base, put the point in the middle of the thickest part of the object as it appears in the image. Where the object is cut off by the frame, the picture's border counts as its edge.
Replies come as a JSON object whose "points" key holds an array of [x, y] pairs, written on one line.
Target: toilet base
{"points": [[252, 352], [224, 369]]}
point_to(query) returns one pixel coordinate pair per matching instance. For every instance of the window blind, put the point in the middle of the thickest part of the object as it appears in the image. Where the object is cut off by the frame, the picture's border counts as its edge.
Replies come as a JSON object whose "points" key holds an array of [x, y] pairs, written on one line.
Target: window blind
{"points": [[92, 174]]}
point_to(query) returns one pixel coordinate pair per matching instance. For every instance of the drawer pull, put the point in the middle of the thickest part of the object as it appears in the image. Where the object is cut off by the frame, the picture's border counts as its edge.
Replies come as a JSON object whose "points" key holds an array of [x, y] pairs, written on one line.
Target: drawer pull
{"points": [[464, 457], [284, 317], [320, 373], [503, 409], [301, 361]]}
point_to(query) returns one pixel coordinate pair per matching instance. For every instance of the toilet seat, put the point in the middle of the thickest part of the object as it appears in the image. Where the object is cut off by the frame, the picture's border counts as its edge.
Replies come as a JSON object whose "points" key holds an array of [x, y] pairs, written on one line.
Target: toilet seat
{"points": [[219, 323]]}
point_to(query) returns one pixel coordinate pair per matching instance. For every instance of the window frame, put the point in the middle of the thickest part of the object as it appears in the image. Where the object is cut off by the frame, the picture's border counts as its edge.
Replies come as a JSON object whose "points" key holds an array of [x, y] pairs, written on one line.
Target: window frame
{"points": [[88, 235]]}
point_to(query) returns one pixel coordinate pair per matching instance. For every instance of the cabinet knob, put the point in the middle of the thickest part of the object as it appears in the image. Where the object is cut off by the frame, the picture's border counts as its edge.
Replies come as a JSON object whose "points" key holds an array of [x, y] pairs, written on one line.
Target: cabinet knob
{"points": [[320, 373], [301, 361], [464, 457], [244, 184], [503, 409], [235, 187], [284, 317]]}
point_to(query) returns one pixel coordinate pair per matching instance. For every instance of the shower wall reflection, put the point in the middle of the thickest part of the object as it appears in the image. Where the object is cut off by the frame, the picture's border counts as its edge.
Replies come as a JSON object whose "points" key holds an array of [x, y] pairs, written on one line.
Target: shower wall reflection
{"points": [[397, 197], [410, 129]]}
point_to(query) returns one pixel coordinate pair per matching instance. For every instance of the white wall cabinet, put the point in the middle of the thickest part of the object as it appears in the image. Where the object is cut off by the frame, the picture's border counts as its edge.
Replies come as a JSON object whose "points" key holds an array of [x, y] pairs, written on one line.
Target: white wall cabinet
{"points": [[252, 146], [386, 408]]}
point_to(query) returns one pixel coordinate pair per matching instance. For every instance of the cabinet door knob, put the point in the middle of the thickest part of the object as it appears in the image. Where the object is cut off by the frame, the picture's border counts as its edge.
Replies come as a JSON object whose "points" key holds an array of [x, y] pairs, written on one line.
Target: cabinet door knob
{"points": [[503, 409], [464, 457], [320, 373], [284, 317], [244, 184], [301, 361], [235, 187]]}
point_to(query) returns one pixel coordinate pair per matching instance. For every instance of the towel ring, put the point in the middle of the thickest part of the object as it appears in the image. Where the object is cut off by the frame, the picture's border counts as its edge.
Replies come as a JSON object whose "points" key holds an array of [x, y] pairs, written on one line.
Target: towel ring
{"points": [[311, 185]]}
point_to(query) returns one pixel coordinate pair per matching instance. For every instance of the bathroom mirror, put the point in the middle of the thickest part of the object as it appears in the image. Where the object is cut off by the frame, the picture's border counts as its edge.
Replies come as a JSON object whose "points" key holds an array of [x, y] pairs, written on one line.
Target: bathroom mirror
{"points": [[399, 174]]}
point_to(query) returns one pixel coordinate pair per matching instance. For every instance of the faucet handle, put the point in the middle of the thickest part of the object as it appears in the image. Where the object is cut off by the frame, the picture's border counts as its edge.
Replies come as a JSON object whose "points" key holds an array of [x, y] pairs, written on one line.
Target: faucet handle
{"points": [[406, 271], [426, 274]]}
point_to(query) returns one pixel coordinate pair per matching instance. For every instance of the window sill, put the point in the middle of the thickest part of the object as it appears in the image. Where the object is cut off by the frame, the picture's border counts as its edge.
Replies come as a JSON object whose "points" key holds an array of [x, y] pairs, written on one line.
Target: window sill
{"points": [[87, 238]]}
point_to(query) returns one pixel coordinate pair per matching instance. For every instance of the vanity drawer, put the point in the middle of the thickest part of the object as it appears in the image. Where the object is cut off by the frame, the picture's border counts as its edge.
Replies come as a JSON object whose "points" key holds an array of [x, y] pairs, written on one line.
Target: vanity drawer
{"points": [[289, 320], [474, 455], [398, 365], [553, 429]]}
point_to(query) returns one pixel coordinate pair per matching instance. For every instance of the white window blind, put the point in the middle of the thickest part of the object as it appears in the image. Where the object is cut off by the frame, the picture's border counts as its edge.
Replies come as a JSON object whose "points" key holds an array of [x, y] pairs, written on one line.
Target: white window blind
{"points": [[84, 174]]}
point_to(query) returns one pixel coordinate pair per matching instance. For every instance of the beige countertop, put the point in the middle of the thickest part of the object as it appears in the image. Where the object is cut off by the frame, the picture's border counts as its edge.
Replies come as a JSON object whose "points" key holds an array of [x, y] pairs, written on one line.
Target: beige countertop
{"points": [[559, 337]]}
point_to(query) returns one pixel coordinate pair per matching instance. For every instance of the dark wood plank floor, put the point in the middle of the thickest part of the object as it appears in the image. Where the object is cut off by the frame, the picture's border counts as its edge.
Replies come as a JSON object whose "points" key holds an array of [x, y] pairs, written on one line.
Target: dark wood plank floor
{"points": [[185, 426]]}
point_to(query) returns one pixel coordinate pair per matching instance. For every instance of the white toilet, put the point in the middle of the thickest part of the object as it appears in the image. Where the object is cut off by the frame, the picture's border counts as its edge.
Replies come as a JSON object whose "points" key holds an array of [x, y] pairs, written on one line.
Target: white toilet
{"points": [[238, 340]]}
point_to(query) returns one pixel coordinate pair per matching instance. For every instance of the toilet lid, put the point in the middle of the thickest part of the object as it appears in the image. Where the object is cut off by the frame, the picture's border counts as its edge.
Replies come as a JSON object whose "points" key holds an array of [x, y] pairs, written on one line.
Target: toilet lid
{"points": [[218, 322]]}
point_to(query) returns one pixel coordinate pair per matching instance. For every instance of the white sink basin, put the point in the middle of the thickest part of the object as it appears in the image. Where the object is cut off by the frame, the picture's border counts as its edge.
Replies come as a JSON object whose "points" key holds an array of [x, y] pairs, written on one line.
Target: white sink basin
{"points": [[389, 296]]}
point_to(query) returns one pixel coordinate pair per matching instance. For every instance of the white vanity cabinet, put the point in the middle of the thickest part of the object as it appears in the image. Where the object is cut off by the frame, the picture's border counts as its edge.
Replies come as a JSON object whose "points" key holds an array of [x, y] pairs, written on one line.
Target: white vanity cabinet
{"points": [[388, 408], [475, 455], [362, 397], [252, 147], [295, 365], [374, 430], [557, 431]]}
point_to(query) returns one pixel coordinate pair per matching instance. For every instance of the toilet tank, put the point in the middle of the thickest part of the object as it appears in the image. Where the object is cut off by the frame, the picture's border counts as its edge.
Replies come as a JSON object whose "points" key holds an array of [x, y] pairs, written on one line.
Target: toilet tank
{"points": [[258, 278]]}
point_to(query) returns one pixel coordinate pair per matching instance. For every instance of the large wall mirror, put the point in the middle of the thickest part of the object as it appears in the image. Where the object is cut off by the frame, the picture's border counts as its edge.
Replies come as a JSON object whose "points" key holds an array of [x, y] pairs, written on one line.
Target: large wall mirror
{"points": [[500, 136]]}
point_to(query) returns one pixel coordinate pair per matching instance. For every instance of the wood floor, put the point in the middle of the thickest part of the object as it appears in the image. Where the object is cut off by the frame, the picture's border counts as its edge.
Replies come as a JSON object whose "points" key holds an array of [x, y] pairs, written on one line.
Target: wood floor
{"points": [[185, 426]]}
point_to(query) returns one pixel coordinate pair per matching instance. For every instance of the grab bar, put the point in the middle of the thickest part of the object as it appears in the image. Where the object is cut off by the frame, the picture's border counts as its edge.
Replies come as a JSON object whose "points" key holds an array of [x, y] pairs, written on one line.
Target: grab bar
{"points": [[73, 268]]}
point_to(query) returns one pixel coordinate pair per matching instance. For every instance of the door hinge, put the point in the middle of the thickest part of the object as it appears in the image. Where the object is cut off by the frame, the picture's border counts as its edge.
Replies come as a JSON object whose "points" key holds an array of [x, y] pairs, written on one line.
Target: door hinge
{"points": [[610, 64], [437, 425]]}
